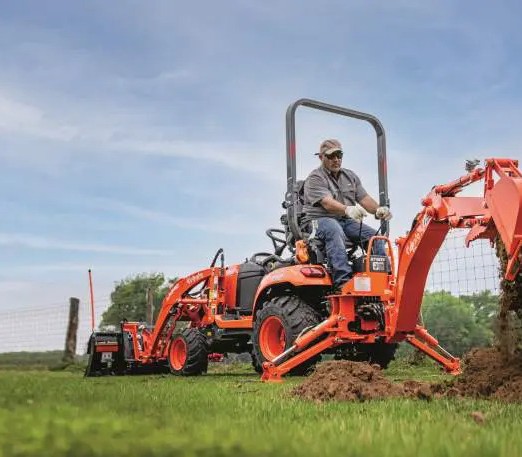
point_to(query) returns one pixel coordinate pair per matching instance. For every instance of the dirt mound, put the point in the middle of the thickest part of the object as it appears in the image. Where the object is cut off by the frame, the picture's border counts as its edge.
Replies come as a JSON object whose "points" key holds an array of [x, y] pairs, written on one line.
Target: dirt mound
{"points": [[358, 381], [487, 375]]}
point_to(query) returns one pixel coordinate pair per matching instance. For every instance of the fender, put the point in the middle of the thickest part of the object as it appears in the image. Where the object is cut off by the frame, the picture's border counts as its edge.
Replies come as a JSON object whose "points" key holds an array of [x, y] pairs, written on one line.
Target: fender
{"points": [[294, 276]]}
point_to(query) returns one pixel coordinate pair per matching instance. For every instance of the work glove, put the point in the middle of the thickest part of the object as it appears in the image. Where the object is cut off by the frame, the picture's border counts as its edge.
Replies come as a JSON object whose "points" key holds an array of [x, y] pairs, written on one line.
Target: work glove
{"points": [[355, 212], [383, 212]]}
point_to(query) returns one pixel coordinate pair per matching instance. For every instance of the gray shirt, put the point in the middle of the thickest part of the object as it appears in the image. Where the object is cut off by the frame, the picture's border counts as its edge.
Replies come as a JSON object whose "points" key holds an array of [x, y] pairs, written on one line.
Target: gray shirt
{"points": [[346, 189]]}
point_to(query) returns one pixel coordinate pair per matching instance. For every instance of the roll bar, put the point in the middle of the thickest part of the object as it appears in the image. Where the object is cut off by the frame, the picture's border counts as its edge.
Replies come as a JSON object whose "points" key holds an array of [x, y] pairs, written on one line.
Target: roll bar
{"points": [[291, 196]]}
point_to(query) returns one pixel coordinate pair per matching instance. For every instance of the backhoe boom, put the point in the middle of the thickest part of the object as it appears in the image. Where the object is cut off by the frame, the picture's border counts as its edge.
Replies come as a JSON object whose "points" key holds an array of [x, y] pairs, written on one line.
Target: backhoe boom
{"points": [[499, 211]]}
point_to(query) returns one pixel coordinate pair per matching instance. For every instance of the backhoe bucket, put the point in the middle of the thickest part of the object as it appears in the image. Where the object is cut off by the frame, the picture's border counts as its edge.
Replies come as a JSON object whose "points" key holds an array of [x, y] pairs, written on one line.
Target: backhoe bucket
{"points": [[504, 201]]}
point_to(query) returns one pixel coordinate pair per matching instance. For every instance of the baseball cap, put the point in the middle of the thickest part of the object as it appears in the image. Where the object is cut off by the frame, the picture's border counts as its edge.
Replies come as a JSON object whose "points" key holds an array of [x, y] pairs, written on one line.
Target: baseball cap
{"points": [[329, 147]]}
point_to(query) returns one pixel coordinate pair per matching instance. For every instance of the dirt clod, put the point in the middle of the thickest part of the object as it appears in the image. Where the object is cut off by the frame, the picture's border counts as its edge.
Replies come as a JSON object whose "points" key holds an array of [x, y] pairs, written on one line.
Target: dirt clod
{"points": [[478, 417]]}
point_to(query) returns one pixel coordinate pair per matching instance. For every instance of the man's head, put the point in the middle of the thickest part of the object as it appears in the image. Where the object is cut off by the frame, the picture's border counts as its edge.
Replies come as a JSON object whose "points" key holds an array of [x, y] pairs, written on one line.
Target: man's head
{"points": [[331, 155]]}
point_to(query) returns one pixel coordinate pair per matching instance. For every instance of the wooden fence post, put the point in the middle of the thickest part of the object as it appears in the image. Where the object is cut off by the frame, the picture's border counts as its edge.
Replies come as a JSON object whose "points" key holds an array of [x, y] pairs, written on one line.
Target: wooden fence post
{"points": [[72, 330]]}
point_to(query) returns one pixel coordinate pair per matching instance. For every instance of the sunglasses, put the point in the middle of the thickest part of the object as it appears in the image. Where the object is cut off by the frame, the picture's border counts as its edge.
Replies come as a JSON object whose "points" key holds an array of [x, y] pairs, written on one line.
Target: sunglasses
{"points": [[335, 155]]}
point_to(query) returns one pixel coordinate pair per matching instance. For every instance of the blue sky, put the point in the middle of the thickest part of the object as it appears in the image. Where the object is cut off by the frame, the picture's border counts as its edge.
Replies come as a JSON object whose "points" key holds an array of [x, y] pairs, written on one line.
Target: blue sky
{"points": [[142, 136]]}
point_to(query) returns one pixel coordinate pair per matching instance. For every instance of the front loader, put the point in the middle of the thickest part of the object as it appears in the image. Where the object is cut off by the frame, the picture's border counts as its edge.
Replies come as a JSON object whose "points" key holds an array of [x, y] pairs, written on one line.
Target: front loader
{"points": [[283, 310]]}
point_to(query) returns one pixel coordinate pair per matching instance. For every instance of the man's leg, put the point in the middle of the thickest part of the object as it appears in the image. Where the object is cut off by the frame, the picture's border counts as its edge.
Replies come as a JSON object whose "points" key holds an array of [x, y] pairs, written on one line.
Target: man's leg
{"points": [[329, 230], [353, 228]]}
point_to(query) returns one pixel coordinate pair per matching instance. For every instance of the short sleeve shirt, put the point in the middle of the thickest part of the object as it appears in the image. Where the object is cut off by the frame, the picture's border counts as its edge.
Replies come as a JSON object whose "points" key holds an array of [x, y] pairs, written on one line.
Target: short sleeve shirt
{"points": [[346, 189]]}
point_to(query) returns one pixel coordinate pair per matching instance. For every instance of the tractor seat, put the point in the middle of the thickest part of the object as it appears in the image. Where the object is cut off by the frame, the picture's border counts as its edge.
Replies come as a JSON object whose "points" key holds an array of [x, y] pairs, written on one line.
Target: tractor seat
{"points": [[316, 246]]}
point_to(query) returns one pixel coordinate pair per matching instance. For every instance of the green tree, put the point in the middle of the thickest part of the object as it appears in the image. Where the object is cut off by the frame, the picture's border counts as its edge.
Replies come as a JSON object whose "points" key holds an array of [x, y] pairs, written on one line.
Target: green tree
{"points": [[129, 298], [485, 306], [459, 323]]}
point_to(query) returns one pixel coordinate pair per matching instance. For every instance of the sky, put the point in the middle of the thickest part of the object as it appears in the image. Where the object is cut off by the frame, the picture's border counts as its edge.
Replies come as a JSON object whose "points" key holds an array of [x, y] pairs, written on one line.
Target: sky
{"points": [[143, 136]]}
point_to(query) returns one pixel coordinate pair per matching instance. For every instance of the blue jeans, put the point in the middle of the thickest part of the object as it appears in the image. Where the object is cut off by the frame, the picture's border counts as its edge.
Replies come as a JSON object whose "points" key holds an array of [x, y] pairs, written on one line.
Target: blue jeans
{"points": [[333, 233]]}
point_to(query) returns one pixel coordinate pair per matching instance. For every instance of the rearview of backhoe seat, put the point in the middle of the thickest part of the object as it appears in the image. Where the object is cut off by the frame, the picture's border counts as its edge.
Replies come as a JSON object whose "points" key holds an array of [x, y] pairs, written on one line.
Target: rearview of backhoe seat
{"points": [[248, 279]]}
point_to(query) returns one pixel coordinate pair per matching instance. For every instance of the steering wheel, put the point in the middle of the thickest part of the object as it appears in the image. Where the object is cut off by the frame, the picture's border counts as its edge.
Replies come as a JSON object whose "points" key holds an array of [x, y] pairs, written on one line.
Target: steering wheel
{"points": [[278, 242], [271, 258], [254, 257]]}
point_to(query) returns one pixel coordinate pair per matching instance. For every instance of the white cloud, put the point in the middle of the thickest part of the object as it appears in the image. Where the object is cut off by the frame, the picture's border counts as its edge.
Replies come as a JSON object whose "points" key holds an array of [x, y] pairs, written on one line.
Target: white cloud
{"points": [[229, 225], [38, 242], [24, 119], [10, 286], [236, 156], [20, 118]]}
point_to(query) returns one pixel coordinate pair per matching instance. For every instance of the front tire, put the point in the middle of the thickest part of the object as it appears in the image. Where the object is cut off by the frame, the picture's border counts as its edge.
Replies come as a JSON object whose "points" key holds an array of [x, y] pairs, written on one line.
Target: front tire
{"points": [[188, 353], [276, 327]]}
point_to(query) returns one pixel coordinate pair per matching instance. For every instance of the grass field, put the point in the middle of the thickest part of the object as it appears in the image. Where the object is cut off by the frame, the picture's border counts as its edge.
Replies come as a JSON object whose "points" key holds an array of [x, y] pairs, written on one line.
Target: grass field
{"points": [[230, 413]]}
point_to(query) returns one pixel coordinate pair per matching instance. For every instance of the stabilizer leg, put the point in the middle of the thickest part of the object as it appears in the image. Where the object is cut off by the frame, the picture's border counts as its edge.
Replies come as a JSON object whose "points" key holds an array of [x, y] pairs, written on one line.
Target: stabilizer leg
{"points": [[426, 343], [273, 372]]}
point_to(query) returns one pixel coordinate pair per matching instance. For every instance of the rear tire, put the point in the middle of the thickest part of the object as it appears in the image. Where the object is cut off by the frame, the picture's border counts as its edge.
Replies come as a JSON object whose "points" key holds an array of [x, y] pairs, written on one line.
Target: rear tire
{"points": [[255, 363], [381, 353], [276, 327], [188, 353]]}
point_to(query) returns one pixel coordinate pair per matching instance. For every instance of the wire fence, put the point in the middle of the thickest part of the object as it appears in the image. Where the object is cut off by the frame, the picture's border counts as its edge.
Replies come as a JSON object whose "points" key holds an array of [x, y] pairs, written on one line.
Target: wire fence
{"points": [[44, 328], [462, 270]]}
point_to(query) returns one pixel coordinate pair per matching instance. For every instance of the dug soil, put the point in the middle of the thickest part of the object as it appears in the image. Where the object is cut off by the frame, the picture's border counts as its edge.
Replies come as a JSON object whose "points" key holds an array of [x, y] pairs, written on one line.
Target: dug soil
{"points": [[485, 375], [357, 381], [508, 326], [488, 375]]}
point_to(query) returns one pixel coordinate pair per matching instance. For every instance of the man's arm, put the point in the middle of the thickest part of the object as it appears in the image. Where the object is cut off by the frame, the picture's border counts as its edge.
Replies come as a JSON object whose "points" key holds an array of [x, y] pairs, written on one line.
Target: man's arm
{"points": [[369, 204], [333, 206]]}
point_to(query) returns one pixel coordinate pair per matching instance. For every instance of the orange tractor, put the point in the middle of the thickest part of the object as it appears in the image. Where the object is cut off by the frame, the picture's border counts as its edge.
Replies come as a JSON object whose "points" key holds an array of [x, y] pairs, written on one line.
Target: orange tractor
{"points": [[283, 310]]}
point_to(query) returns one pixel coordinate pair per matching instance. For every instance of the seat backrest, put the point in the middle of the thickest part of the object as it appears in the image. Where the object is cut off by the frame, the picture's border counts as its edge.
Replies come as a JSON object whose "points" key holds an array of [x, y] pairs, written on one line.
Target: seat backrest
{"points": [[300, 195], [290, 240], [249, 276]]}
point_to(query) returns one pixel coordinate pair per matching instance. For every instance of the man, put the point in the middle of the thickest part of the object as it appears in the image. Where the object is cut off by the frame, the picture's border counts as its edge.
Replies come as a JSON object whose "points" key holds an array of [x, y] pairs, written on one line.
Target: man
{"points": [[332, 196]]}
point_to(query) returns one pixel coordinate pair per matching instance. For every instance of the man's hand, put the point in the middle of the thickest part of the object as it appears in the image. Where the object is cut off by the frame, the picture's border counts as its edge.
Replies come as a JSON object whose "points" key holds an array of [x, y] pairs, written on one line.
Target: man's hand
{"points": [[383, 212], [355, 212]]}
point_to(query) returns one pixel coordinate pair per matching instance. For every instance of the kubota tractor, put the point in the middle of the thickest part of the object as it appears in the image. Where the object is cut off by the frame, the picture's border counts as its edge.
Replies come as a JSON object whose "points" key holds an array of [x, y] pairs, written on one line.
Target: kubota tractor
{"points": [[283, 310]]}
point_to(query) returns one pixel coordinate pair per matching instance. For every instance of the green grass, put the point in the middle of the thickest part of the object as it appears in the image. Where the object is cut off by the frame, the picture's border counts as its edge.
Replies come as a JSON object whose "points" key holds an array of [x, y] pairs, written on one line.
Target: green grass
{"points": [[230, 413], [35, 360]]}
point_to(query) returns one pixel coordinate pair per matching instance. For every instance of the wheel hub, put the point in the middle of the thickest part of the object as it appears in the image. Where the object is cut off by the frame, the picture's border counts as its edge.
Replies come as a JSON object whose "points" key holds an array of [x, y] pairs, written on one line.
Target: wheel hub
{"points": [[272, 337], [178, 353]]}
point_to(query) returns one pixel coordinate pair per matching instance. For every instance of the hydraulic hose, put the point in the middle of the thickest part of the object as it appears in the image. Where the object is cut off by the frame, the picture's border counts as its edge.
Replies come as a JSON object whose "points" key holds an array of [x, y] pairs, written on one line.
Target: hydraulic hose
{"points": [[214, 260]]}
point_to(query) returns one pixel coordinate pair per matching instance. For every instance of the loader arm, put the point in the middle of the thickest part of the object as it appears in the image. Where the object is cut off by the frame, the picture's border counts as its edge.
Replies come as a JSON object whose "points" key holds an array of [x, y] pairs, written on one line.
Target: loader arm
{"points": [[177, 304], [498, 211]]}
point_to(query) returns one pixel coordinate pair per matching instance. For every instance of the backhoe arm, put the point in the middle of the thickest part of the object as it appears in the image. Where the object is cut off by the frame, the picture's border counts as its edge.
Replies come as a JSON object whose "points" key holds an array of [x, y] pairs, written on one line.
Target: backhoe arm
{"points": [[498, 211]]}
